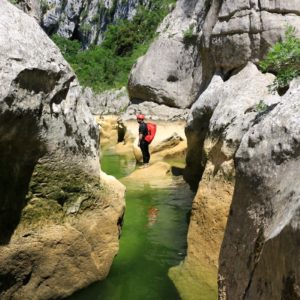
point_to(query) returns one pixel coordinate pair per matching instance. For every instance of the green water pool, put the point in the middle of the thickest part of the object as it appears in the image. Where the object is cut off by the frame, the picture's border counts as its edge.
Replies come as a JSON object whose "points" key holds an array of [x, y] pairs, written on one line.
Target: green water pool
{"points": [[153, 239]]}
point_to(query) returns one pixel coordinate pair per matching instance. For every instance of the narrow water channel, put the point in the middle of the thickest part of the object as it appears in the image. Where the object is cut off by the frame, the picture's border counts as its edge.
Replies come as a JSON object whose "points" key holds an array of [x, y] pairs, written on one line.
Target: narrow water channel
{"points": [[153, 239]]}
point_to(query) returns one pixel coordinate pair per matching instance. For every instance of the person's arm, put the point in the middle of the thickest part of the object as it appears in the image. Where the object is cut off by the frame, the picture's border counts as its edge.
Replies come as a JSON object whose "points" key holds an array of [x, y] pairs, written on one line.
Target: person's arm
{"points": [[140, 139]]}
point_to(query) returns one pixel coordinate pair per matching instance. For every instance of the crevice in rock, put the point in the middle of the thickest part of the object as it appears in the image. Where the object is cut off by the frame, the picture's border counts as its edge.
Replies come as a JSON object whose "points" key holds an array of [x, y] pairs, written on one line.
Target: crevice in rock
{"points": [[280, 12], [290, 290], [172, 78], [121, 131], [254, 259], [62, 93], [36, 80], [195, 158], [26, 278], [20, 149], [282, 90], [206, 57], [6, 281], [231, 14], [227, 74], [262, 114]]}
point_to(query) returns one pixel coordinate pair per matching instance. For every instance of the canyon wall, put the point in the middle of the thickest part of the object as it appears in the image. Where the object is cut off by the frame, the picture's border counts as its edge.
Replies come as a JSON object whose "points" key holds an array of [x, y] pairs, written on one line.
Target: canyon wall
{"points": [[239, 146], [59, 220], [85, 21]]}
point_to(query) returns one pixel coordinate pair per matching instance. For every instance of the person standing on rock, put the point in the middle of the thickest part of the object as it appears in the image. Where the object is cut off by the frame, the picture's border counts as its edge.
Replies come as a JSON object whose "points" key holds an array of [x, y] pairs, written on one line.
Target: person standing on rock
{"points": [[143, 144]]}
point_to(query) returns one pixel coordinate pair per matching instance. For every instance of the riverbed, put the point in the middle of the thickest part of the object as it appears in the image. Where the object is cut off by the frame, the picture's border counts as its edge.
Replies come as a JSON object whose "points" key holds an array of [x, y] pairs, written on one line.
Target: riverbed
{"points": [[153, 238]]}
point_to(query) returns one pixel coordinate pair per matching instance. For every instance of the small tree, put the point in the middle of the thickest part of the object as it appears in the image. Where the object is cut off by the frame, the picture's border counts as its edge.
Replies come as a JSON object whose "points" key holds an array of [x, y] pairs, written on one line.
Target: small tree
{"points": [[284, 60]]}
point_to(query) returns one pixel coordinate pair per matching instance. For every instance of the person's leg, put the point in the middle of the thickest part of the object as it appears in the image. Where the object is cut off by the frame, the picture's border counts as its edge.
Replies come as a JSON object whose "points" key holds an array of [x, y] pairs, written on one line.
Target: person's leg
{"points": [[147, 154], [145, 151]]}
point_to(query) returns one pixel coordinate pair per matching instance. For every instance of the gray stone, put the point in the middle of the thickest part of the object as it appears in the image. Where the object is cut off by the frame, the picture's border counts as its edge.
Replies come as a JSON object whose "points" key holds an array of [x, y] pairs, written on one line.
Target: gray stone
{"points": [[223, 114], [86, 20], [116, 102], [262, 235], [49, 150], [112, 102], [154, 111], [245, 31], [170, 73]]}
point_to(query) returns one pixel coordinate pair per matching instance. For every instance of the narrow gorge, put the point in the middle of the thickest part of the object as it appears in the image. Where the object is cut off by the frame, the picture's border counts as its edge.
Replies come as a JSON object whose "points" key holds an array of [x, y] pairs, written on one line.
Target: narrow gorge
{"points": [[226, 125]]}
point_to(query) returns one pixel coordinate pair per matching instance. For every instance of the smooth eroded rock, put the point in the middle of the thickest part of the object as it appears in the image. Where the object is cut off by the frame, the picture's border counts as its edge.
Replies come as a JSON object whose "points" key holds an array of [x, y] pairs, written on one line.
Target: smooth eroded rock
{"points": [[59, 221]]}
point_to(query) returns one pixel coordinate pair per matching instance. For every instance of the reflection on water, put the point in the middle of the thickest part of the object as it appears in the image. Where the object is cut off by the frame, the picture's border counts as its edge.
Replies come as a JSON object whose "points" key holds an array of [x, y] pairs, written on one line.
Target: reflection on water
{"points": [[153, 239]]}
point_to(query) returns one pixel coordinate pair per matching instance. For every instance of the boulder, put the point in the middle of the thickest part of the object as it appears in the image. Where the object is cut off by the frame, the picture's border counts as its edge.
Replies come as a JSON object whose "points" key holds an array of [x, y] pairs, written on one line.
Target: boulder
{"points": [[117, 102], [170, 73], [55, 236]]}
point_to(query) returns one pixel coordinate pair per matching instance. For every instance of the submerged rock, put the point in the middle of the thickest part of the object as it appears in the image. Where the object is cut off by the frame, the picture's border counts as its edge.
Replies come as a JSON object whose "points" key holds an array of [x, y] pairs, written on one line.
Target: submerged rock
{"points": [[58, 220]]}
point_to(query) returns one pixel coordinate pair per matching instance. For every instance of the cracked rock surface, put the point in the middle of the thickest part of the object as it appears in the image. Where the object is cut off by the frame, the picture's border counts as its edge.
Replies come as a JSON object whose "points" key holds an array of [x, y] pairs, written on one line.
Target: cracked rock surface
{"points": [[58, 216]]}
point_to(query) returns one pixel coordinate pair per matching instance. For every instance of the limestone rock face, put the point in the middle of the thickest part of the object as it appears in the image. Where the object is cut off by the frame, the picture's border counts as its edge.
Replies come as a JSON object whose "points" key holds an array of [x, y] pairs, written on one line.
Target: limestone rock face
{"points": [[86, 20], [117, 102], [200, 38], [222, 115], [31, 7], [55, 234], [217, 124], [261, 239], [245, 30], [170, 73], [109, 102]]}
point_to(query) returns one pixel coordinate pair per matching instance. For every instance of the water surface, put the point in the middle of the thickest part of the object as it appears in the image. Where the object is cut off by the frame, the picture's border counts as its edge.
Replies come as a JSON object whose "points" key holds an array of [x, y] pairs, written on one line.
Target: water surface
{"points": [[153, 239]]}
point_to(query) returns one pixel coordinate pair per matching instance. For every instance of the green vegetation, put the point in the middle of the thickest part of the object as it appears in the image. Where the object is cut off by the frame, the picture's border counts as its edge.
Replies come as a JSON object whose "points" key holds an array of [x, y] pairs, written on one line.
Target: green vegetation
{"points": [[284, 60], [107, 66], [261, 106], [14, 1], [55, 193], [44, 6], [189, 36]]}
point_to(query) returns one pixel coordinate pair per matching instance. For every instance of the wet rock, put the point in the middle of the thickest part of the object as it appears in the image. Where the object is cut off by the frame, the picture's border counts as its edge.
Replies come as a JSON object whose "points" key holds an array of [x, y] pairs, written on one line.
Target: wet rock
{"points": [[49, 150]]}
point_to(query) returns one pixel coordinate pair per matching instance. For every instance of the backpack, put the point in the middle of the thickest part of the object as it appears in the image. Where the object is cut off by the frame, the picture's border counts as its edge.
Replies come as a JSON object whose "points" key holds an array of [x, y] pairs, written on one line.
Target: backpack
{"points": [[151, 132]]}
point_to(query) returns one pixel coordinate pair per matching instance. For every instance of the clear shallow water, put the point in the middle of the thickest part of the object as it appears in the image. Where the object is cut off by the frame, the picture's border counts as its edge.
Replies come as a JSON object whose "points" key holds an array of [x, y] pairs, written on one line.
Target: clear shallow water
{"points": [[153, 239]]}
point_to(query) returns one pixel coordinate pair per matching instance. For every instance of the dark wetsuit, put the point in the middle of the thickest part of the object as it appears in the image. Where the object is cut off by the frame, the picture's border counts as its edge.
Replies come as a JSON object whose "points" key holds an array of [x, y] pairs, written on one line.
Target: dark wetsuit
{"points": [[144, 145]]}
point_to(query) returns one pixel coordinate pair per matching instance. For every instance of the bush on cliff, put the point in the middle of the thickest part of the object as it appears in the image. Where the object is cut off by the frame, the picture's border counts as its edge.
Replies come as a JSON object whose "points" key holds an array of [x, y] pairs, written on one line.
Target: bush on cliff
{"points": [[108, 65], [284, 60]]}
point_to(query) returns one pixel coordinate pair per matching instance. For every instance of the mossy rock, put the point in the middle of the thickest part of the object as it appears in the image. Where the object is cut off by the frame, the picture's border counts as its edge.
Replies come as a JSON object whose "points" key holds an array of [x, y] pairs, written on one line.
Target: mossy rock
{"points": [[57, 192]]}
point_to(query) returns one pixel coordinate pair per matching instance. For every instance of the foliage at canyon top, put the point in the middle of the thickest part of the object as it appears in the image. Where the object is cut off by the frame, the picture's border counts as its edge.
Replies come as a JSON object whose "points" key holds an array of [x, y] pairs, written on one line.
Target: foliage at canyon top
{"points": [[108, 65], [284, 60]]}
